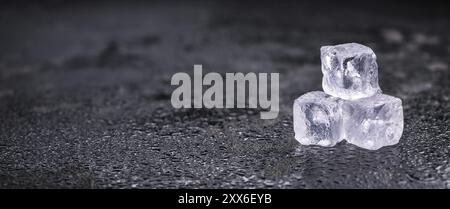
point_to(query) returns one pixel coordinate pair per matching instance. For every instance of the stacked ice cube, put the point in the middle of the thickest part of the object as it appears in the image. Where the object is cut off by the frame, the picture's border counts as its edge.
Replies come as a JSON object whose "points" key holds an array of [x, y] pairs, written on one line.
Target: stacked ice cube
{"points": [[352, 106]]}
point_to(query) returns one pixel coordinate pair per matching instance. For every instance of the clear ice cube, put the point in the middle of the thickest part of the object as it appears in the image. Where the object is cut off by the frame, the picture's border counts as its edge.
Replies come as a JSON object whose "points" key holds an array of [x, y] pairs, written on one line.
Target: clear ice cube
{"points": [[373, 122], [350, 71], [317, 119], [352, 108]]}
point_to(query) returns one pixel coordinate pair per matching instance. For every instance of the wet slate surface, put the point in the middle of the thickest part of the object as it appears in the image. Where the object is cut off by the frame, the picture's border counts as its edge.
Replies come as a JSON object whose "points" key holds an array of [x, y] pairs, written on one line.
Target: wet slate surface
{"points": [[85, 95]]}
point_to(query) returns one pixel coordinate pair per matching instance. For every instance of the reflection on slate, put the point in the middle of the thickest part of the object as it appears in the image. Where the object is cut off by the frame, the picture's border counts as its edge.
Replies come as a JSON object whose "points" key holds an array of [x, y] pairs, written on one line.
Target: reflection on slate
{"points": [[85, 94]]}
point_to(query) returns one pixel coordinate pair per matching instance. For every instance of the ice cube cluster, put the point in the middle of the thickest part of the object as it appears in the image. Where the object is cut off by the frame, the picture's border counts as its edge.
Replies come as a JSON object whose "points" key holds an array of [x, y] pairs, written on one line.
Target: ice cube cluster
{"points": [[352, 106]]}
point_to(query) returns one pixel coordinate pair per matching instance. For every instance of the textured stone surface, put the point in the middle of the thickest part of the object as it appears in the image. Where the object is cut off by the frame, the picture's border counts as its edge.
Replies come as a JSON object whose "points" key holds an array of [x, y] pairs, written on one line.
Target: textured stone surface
{"points": [[85, 95], [373, 122], [350, 71], [318, 119]]}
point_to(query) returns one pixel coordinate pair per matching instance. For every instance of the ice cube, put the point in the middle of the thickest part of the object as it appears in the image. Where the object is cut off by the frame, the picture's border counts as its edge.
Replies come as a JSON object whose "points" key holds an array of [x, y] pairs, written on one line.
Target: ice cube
{"points": [[373, 122], [317, 119], [350, 71]]}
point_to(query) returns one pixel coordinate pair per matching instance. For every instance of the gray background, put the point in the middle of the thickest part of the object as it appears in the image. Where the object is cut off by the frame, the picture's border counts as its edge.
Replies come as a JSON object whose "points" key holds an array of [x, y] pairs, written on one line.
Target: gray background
{"points": [[85, 94]]}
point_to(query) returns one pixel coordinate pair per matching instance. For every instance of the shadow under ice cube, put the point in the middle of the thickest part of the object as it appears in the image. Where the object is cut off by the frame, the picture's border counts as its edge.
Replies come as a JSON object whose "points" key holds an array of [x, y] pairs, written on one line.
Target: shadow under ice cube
{"points": [[317, 119], [373, 122], [350, 71]]}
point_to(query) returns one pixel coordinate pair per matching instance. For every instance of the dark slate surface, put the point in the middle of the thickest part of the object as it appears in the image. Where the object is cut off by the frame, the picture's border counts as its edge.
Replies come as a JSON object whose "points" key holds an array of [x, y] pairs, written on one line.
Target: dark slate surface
{"points": [[85, 95]]}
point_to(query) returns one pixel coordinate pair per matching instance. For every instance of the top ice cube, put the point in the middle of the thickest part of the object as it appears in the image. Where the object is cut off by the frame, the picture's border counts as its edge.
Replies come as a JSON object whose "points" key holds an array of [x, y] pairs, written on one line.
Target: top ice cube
{"points": [[350, 71]]}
